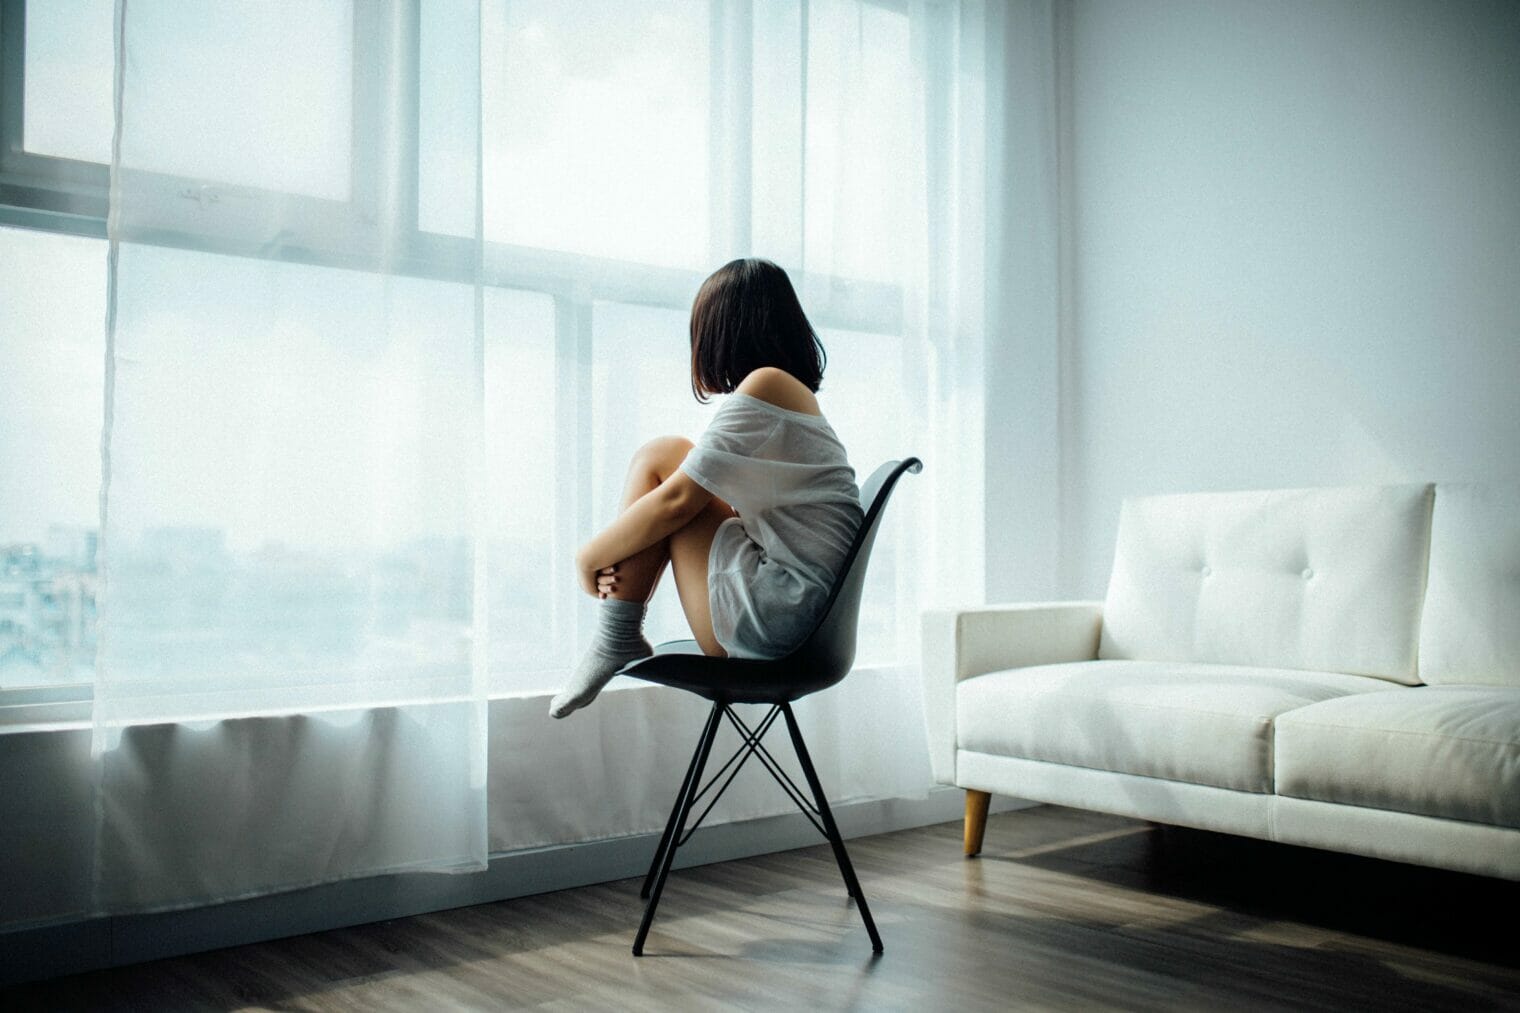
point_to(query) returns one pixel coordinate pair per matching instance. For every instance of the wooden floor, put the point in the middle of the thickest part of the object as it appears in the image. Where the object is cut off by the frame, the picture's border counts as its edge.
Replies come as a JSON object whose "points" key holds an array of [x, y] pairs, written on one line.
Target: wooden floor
{"points": [[1064, 910]]}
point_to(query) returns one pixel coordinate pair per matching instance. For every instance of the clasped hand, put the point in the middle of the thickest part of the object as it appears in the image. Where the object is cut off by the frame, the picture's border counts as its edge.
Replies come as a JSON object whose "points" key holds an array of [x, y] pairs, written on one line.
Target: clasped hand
{"points": [[599, 583]]}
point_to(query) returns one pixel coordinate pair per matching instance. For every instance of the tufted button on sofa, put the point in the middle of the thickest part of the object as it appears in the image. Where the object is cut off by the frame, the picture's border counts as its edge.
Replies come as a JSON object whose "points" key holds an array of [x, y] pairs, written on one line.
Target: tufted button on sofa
{"points": [[1335, 667]]}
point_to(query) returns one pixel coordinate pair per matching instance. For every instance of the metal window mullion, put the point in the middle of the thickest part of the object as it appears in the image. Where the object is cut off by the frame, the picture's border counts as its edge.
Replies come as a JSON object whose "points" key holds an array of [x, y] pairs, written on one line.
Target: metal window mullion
{"points": [[730, 131], [571, 509], [932, 37], [12, 79], [366, 112], [387, 81]]}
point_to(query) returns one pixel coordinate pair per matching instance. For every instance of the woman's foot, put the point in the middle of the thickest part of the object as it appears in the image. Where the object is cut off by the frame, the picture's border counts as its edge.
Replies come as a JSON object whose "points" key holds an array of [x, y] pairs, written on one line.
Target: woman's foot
{"points": [[619, 640]]}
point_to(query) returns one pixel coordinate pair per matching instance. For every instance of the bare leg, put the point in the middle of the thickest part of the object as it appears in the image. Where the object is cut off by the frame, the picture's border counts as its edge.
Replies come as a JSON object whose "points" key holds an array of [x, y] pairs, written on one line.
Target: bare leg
{"points": [[637, 576], [630, 583], [654, 462], [689, 548]]}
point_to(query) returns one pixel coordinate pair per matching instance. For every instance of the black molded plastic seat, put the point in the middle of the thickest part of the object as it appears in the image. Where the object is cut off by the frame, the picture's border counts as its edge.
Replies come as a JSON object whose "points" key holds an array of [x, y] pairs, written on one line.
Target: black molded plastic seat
{"points": [[822, 660]]}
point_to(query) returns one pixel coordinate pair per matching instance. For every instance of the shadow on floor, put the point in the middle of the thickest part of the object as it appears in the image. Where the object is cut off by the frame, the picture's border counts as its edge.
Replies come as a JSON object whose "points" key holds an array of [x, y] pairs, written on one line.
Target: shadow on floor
{"points": [[1433, 909]]}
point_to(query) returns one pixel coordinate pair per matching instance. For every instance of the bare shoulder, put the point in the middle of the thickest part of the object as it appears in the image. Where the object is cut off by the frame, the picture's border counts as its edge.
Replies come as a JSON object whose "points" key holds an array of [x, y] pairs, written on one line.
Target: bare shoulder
{"points": [[781, 389]]}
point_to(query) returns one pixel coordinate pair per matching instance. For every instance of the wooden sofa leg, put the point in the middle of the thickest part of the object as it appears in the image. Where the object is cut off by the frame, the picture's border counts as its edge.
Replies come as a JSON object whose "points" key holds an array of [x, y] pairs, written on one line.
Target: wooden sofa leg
{"points": [[976, 819]]}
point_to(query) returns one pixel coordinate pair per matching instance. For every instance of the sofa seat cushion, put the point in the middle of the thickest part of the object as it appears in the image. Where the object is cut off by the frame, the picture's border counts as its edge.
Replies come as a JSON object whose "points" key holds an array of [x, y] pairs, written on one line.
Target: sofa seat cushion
{"points": [[1445, 751], [1204, 724]]}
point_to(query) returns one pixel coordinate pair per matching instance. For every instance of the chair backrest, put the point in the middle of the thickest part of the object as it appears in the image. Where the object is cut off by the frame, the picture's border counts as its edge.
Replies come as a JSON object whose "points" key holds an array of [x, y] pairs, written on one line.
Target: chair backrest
{"points": [[827, 654]]}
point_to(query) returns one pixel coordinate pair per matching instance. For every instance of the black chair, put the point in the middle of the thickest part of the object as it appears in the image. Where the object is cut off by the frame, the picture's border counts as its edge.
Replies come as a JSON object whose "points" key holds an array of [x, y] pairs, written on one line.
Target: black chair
{"points": [[823, 659]]}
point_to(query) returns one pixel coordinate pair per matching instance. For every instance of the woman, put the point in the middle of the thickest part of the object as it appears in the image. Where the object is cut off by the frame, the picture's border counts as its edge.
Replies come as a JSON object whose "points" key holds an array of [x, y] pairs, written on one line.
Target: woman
{"points": [[755, 518]]}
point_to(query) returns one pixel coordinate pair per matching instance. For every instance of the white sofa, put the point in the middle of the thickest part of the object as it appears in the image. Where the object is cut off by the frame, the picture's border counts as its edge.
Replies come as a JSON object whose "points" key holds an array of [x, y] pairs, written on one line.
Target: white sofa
{"points": [[1337, 668]]}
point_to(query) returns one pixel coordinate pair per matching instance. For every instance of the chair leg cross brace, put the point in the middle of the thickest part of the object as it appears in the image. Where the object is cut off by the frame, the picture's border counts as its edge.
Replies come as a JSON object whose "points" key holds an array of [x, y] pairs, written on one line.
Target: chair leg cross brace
{"points": [[686, 785], [752, 740], [677, 834]]}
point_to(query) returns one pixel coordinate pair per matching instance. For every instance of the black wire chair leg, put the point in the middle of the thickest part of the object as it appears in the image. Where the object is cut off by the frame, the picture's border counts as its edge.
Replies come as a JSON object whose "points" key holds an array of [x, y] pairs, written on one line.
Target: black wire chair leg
{"points": [[670, 824], [851, 882], [683, 810]]}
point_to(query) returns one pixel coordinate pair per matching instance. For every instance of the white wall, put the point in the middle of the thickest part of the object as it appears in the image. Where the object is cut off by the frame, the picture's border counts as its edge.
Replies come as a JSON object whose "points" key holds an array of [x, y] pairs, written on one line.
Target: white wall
{"points": [[1295, 238]]}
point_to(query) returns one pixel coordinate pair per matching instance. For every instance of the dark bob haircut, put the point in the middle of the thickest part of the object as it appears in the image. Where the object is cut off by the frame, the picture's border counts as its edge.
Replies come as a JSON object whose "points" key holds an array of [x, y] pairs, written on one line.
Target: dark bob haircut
{"points": [[746, 316]]}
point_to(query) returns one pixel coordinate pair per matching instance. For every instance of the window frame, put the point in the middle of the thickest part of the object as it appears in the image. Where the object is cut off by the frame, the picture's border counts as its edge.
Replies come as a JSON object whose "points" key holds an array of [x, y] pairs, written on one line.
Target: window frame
{"points": [[39, 191], [57, 194]]}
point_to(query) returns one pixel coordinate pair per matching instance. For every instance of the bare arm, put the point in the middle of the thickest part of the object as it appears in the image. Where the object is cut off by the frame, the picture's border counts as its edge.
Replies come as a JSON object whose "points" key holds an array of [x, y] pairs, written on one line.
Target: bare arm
{"points": [[677, 500], [651, 519]]}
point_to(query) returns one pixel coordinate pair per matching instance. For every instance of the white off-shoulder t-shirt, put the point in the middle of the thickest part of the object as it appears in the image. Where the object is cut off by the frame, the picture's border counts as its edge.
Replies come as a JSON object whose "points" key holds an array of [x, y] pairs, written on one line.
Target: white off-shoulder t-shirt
{"points": [[771, 568]]}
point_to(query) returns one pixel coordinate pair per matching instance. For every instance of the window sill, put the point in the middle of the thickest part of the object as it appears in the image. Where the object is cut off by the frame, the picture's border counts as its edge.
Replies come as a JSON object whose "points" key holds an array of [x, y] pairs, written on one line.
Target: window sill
{"points": [[68, 708]]}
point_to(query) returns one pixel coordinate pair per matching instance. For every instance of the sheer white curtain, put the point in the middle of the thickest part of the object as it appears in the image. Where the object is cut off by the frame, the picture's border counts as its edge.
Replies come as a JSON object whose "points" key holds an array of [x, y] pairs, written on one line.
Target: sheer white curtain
{"points": [[396, 290], [291, 666]]}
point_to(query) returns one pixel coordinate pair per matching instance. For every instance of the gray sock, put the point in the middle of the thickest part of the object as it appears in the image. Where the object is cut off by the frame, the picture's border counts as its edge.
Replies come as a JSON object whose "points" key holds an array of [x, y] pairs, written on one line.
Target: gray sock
{"points": [[619, 640]]}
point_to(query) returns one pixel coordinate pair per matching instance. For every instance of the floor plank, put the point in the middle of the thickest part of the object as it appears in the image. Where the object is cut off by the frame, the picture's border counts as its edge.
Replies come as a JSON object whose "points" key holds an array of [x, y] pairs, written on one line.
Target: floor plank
{"points": [[1063, 910]]}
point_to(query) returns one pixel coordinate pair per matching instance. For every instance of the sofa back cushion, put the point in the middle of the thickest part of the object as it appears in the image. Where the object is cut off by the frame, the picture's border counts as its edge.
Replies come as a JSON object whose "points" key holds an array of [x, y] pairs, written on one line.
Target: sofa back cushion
{"points": [[1313, 579], [1470, 632]]}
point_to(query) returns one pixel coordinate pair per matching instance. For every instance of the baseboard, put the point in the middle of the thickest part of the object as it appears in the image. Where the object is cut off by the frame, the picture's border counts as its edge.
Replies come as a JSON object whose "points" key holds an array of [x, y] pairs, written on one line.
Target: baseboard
{"points": [[91, 944]]}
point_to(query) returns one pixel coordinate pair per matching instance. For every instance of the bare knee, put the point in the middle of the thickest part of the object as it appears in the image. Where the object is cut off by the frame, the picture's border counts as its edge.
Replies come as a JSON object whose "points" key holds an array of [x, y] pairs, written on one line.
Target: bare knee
{"points": [[662, 455]]}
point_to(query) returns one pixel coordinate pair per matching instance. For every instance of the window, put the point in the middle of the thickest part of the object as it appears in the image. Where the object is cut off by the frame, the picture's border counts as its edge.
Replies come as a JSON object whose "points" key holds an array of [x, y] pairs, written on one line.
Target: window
{"points": [[863, 365], [858, 137], [640, 389], [267, 91], [596, 147], [274, 468], [615, 178], [526, 475], [68, 79], [52, 302]]}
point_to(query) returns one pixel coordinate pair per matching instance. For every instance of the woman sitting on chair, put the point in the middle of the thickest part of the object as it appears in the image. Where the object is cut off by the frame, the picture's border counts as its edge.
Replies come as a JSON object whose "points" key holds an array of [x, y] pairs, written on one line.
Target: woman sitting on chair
{"points": [[756, 517]]}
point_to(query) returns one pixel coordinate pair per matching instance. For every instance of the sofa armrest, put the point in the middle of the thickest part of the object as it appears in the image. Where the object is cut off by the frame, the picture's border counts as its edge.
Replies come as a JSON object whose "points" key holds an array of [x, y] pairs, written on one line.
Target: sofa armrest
{"points": [[963, 643]]}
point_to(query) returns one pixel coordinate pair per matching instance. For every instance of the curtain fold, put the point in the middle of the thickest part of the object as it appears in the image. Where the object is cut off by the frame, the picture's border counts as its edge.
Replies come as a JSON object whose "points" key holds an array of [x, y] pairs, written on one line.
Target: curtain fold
{"points": [[290, 677]]}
